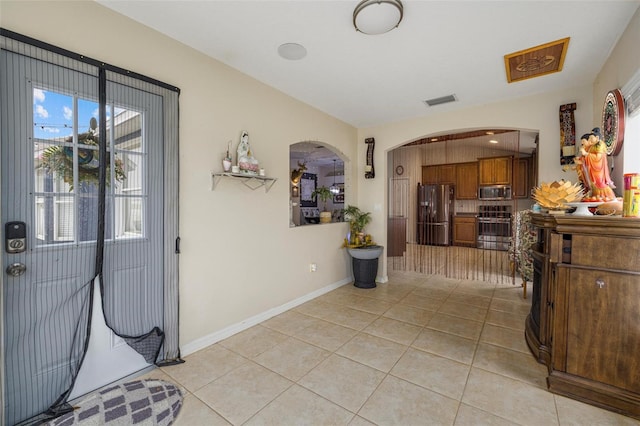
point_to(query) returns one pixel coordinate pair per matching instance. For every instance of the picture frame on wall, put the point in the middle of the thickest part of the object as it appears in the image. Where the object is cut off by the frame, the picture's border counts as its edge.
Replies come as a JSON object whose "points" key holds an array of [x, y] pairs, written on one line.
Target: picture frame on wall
{"points": [[339, 197], [308, 184]]}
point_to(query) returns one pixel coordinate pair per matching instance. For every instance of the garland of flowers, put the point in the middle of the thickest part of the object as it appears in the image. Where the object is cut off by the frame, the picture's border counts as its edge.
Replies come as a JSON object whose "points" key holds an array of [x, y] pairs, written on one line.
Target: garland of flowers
{"points": [[59, 159]]}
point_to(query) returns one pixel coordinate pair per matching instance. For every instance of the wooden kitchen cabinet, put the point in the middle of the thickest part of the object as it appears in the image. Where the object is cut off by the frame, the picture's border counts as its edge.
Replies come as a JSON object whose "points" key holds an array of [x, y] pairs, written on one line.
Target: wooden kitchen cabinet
{"points": [[439, 174], [465, 231], [448, 174], [594, 301], [430, 175], [495, 170], [467, 181], [521, 188]]}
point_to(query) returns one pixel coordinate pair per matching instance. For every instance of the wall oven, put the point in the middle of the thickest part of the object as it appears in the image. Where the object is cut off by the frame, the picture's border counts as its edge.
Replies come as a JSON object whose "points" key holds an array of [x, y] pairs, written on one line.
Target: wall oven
{"points": [[494, 227]]}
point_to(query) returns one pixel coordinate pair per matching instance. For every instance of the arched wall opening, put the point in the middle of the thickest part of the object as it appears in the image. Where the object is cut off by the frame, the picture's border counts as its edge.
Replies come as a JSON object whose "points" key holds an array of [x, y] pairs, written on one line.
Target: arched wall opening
{"points": [[453, 199], [314, 166]]}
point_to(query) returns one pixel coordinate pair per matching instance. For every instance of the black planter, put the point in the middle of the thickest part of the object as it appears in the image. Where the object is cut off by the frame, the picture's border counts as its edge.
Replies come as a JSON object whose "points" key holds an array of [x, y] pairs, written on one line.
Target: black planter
{"points": [[365, 265]]}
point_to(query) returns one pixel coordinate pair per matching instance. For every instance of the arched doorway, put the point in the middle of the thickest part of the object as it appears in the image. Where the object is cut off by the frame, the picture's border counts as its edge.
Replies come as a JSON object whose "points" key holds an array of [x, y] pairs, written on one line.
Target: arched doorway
{"points": [[454, 241]]}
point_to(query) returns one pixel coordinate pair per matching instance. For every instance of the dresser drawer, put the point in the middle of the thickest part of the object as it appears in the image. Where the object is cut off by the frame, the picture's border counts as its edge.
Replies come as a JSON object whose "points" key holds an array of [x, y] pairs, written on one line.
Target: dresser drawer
{"points": [[606, 252]]}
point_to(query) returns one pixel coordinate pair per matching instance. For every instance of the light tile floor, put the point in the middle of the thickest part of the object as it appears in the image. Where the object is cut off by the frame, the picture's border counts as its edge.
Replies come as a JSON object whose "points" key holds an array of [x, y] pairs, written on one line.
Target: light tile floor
{"points": [[418, 350]]}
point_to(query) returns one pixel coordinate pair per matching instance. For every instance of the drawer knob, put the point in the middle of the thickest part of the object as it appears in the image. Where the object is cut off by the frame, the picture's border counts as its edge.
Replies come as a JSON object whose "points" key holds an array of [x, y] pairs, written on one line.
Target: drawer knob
{"points": [[600, 283]]}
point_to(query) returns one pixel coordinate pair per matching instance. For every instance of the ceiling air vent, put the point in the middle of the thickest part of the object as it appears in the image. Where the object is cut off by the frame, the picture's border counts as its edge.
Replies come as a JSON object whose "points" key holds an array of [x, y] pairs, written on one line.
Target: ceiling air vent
{"points": [[440, 100]]}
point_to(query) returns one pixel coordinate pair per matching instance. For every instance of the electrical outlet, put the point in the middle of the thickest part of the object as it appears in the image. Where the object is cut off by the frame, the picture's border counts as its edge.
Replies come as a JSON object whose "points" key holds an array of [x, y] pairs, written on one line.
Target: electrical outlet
{"points": [[313, 267]]}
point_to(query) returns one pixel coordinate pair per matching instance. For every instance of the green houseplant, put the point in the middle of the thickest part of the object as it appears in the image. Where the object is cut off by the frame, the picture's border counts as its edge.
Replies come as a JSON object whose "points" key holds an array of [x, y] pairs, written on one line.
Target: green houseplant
{"points": [[360, 246], [358, 221], [324, 195]]}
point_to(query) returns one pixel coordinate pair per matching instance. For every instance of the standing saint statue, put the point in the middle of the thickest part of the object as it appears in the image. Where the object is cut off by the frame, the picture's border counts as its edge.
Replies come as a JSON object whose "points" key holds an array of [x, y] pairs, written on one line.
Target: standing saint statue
{"points": [[593, 169]]}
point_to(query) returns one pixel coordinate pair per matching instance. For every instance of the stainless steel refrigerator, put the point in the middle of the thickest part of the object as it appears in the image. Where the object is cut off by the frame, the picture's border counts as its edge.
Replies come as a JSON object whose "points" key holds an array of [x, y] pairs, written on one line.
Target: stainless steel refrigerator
{"points": [[435, 208]]}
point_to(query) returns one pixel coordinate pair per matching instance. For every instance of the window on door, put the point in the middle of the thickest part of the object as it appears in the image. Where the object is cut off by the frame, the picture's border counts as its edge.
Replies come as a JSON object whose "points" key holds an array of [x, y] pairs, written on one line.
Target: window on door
{"points": [[65, 169]]}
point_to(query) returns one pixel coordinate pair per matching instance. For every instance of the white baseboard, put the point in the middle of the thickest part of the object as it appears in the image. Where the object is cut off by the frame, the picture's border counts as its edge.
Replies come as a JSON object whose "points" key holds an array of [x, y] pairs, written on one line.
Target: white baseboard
{"points": [[212, 338]]}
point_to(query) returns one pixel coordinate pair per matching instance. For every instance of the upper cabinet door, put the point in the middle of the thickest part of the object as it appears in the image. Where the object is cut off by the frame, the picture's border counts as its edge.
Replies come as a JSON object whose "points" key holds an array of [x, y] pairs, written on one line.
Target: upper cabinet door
{"points": [[447, 174], [467, 181], [502, 170], [495, 170], [439, 174], [429, 175]]}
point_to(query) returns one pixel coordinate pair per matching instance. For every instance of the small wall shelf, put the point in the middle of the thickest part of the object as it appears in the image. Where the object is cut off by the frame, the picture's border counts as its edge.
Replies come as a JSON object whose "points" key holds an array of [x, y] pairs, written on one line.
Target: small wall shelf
{"points": [[250, 181]]}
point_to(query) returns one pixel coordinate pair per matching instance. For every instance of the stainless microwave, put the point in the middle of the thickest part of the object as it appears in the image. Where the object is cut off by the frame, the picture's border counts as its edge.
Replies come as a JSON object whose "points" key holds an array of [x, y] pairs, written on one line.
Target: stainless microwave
{"points": [[494, 192]]}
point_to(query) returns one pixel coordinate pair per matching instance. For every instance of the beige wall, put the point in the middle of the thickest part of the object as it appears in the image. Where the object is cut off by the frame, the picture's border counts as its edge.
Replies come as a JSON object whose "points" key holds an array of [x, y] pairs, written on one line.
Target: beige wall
{"points": [[620, 67], [239, 257]]}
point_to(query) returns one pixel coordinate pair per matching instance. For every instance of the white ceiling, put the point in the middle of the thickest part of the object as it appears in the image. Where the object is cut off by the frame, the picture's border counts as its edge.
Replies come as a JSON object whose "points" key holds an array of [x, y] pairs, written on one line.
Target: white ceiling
{"points": [[440, 48]]}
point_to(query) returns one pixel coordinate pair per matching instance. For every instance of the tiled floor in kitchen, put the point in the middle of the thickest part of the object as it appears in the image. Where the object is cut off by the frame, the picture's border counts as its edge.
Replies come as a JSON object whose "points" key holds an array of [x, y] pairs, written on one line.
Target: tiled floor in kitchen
{"points": [[418, 350]]}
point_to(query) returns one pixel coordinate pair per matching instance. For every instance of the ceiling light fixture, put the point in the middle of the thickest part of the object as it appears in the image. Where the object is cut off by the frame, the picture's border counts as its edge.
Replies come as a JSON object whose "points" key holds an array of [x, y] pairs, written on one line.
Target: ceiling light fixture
{"points": [[292, 51], [377, 16], [334, 188], [493, 141]]}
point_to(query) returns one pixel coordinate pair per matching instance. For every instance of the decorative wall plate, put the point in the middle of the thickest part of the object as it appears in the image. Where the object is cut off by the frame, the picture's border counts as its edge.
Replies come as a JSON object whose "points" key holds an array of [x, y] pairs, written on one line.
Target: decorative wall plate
{"points": [[613, 121], [399, 170]]}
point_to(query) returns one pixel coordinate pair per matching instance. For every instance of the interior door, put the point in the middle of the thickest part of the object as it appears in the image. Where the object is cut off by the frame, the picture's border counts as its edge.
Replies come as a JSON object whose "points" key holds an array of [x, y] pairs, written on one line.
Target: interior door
{"points": [[49, 165]]}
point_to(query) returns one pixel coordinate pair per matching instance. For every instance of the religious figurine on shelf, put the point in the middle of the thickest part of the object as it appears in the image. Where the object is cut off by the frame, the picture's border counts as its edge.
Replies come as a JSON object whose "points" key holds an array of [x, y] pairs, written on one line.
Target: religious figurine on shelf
{"points": [[593, 169], [246, 162], [243, 146]]}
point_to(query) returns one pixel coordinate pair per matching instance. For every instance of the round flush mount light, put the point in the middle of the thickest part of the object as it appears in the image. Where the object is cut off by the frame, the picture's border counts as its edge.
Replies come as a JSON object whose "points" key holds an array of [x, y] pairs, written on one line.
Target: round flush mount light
{"points": [[292, 51], [377, 16]]}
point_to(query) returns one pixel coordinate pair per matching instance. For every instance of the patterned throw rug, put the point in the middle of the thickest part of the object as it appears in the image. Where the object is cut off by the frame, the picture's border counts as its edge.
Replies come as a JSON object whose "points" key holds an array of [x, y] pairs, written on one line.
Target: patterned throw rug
{"points": [[141, 402]]}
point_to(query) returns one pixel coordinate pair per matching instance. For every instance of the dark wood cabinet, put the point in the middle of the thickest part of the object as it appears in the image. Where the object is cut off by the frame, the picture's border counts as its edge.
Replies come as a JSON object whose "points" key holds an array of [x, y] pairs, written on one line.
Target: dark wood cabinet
{"points": [[601, 323], [439, 174], [495, 170], [430, 175], [448, 174], [592, 286], [467, 181], [464, 231]]}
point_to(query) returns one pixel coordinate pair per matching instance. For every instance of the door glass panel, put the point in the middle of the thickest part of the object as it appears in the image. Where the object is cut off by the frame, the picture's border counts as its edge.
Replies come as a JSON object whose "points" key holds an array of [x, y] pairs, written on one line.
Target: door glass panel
{"points": [[53, 166], [50, 171], [54, 219], [128, 211], [132, 166], [66, 169], [52, 115], [130, 170], [128, 135]]}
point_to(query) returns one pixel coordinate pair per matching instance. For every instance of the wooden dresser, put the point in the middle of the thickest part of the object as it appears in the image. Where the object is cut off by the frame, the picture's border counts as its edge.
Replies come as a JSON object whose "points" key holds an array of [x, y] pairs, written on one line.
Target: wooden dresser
{"points": [[586, 324]]}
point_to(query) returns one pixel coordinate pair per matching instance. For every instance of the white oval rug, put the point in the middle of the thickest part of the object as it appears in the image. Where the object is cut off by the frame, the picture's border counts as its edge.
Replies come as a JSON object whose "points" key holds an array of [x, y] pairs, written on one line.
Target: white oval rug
{"points": [[141, 402]]}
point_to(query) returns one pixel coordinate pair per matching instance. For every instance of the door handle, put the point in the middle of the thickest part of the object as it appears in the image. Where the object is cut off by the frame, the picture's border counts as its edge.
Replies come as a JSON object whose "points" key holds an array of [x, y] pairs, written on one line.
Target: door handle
{"points": [[16, 269]]}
